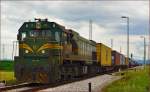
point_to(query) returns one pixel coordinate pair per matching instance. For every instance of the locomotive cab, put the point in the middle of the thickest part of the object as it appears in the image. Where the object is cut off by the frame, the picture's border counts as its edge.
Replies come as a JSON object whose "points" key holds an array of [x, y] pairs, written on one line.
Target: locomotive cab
{"points": [[40, 52]]}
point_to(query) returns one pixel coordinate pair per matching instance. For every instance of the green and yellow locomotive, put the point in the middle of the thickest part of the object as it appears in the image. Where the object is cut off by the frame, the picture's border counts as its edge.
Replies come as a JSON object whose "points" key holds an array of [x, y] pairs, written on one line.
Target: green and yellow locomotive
{"points": [[48, 53]]}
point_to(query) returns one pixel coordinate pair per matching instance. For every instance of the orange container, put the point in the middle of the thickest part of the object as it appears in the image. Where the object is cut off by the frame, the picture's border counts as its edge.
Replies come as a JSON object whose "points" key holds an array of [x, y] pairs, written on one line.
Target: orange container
{"points": [[115, 58]]}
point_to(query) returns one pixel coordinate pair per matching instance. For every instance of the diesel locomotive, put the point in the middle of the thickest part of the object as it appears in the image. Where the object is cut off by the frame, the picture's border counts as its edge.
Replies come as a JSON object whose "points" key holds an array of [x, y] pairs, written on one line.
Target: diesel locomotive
{"points": [[48, 53]]}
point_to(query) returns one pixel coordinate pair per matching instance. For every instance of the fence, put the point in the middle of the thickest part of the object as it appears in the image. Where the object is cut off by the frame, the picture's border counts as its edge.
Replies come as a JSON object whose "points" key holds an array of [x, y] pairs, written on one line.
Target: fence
{"points": [[8, 51]]}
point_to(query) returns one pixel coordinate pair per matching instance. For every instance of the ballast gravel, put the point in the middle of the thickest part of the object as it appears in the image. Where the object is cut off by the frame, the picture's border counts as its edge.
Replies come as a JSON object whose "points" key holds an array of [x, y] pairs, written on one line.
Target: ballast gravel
{"points": [[97, 83]]}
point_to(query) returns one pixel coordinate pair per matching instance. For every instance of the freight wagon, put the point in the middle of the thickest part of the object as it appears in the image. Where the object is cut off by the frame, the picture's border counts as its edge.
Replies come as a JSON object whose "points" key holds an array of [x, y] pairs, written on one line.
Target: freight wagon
{"points": [[116, 60], [104, 57], [123, 61], [132, 63], [119, 61]]}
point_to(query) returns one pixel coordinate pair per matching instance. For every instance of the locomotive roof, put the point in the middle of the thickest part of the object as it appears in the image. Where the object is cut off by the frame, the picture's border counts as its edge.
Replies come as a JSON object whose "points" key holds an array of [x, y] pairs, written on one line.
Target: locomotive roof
{"points": [[32, 25]]}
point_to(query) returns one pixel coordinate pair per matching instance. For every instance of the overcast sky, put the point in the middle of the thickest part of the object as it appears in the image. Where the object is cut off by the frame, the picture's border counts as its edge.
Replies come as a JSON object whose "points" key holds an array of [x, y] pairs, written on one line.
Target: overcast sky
{"points": [[106, 17]]}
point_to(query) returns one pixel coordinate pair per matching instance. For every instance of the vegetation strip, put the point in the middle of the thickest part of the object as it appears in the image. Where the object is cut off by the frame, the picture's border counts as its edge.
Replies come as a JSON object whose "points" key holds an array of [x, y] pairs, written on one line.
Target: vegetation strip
{"points": [[6, 65], [136, 80]]}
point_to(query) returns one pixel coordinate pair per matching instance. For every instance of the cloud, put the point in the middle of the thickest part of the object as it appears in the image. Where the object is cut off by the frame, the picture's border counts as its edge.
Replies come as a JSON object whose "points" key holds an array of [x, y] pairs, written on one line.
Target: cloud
{"points": [[75, 15]]}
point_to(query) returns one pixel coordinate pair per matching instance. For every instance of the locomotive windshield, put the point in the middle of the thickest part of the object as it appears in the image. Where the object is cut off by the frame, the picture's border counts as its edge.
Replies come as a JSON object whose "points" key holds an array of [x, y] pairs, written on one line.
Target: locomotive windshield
{"points": [[34, 33], [54, 36], [42, 33], [23, 35]]}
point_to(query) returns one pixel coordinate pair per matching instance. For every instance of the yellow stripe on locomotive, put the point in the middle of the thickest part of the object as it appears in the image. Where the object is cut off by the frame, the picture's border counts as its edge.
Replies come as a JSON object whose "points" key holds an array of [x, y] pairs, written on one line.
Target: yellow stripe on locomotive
{"points": [[45, 46], [25, 46], [50, 46]]}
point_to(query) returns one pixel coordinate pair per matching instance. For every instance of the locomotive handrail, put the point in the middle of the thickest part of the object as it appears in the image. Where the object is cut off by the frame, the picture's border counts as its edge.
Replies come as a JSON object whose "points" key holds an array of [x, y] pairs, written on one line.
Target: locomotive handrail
{"points": [[61, 52], [14, 48], [55, 41]]}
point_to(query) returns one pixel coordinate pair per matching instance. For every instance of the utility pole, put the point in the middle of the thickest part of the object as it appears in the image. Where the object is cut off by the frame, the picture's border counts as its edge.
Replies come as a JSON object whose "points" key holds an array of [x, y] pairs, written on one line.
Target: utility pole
{"points": [[131, 56], [90, 29], [127, 38], [120, 49], [145, 52], [127, 34], [112, 43], [16, 48], [0, 52], [144, 57], [149, 42], [13, 51], [3, 51]]}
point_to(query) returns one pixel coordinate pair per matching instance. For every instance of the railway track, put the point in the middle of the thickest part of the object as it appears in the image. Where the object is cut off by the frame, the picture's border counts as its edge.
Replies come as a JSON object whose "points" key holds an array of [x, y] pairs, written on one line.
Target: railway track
{"points": [[24, 87]]}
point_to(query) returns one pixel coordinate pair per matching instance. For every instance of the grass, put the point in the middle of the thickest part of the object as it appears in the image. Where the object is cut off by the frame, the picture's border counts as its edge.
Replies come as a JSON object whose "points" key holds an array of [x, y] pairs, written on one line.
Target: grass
{"points": [[132, 81], [8, 76], [6, 65]]}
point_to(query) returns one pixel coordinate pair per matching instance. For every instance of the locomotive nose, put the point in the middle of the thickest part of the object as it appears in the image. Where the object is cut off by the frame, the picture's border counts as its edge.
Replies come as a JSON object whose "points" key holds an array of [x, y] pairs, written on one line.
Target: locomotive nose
{"points": [[39, 75]]}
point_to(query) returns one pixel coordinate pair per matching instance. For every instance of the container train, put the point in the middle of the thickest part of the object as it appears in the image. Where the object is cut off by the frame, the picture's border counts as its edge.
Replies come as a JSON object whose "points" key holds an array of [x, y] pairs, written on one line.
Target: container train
{"points": [[48, 53]]}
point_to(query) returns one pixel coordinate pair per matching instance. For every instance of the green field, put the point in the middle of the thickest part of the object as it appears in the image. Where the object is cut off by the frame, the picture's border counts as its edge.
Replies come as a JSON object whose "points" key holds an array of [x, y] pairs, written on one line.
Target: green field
{"points": [[6, 65], [6, 75], [132, 81]]}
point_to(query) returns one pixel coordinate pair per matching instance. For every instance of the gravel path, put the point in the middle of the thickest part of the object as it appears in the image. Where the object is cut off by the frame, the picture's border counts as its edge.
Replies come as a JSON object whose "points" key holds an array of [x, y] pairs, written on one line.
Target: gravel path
{"points": [[97, 83]]}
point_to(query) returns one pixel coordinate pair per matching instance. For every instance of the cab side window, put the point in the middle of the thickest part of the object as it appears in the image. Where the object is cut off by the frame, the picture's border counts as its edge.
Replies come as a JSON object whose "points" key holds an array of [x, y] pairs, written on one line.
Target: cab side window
{"points": [[57, 36], [31, 33], [23, 35]]}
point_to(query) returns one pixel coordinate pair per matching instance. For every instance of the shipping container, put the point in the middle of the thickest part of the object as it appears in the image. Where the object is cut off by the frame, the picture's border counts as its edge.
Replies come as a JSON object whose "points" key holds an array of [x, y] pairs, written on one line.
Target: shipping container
{"points": [[122, 59], [103, 54], [115, 58]]}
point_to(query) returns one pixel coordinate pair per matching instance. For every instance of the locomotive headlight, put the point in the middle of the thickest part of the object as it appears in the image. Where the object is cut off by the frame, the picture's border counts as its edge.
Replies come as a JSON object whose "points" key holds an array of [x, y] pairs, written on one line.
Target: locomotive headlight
{"points": [[26, 51], [43, 51]]}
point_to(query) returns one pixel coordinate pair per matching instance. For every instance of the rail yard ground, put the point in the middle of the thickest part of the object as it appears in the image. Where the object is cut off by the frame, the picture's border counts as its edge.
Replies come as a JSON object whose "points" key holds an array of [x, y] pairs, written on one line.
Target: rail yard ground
{"points": [[136, 80]]}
